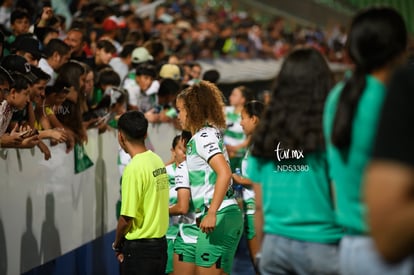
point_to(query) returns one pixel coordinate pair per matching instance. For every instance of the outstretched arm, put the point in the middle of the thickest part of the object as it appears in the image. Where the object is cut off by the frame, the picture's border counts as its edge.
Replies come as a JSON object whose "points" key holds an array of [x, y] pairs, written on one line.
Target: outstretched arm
{"points": [[390, 200]]}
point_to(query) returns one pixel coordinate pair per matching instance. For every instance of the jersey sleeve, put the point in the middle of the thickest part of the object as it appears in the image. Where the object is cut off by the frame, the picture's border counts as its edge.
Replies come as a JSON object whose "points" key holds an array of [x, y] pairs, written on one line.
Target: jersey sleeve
{"points": [[131, 193], [207, 142], [182, 179], [395, 136]]}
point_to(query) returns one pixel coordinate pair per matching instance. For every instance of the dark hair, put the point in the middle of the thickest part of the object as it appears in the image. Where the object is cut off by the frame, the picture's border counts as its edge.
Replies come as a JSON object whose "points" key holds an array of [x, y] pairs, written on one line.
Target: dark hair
{"points": [[247, 93], [175, 141], [20, 82], [127, 49], [154, 47], [211, 75], [294, 114], [56, 45], [377, 36], [108, 76], [254, 108], [186, 136], [105, 102], [99, 13], [168, 87], [106, 45], [40, 74], [5, 76], [52, 21], [71, 73], [79, 30], [134, 125], [58, 88], [4, 79], [19, 13], [134, 36], [42, 32], [146, 69]]}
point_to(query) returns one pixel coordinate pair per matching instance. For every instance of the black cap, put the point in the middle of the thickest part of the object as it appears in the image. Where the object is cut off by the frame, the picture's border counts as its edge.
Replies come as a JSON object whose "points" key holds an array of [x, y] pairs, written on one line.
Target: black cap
{"points": [[16, 63], [7, 74], [146, 69], [30, 45], [40, 74]]}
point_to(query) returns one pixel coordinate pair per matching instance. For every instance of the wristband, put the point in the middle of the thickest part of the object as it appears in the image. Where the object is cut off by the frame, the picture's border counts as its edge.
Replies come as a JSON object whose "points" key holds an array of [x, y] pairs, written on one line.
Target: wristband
{"points": [[114, 248]]}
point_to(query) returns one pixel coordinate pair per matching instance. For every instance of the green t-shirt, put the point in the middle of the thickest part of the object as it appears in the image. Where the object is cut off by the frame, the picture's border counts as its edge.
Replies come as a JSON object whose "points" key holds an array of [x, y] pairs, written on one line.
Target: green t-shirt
{"points": [[145, 196], [347, 174], [296, 204]]}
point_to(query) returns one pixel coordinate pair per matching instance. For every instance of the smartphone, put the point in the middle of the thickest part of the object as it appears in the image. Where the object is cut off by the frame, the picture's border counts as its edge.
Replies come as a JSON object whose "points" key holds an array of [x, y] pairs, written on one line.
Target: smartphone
{"points": [[103, 119]]}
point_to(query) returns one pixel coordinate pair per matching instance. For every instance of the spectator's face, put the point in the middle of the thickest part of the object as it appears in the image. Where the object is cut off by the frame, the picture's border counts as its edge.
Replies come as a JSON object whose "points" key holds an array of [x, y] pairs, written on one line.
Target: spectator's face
{"points": [[173, 60], [144, 82], [74, 40], [89, 83], [37, 93], [21, 26], [61, 59], [182, 114], [236, 98], [179, 152], [266, 98], [195, 72], [20, 99], [103, 57]]}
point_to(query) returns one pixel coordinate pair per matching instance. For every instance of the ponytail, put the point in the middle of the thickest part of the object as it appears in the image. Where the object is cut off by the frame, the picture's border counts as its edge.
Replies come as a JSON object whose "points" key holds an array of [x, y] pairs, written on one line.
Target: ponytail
{"points": [[347, 105]]}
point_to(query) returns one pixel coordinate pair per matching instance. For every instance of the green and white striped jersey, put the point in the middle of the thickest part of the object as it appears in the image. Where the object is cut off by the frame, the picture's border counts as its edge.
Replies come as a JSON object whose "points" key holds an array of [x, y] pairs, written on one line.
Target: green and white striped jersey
{"points": [[171, 179], [187, 223], [233, 135], [205, 144]]}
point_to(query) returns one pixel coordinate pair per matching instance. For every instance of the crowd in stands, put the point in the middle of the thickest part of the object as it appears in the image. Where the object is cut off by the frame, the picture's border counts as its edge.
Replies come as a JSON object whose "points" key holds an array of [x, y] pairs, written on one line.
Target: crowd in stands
{"points": [[58, 81], [118, 57]]}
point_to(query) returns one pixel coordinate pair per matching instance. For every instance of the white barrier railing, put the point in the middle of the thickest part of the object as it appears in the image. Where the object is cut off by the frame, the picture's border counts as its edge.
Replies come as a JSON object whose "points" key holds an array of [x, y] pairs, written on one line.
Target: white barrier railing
{"points": [[46, 210]]}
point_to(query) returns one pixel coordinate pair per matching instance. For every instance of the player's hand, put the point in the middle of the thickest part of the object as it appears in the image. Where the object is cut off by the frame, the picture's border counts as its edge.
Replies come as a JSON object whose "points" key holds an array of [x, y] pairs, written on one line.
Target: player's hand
{"points": [[208, 224]]}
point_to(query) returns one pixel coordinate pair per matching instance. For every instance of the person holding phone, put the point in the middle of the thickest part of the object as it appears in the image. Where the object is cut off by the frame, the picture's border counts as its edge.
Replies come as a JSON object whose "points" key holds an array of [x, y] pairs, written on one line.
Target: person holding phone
{"points": [[16, 98]]}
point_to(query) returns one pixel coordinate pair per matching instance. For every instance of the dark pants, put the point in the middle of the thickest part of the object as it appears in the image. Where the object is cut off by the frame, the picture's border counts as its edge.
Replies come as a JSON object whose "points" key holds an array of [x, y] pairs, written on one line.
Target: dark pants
{"points": [[145, 257]]}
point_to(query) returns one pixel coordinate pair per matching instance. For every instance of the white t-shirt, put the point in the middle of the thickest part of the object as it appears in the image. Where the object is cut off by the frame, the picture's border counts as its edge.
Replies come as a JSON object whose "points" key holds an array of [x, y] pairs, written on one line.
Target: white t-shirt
{"points": [[49, 70], [144, 101], [120, 67]]}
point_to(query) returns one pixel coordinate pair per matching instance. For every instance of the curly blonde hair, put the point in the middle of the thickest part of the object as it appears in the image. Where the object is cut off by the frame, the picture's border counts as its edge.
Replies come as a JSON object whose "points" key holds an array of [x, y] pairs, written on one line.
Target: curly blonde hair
{"points": [[204, 105]]}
